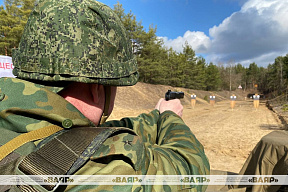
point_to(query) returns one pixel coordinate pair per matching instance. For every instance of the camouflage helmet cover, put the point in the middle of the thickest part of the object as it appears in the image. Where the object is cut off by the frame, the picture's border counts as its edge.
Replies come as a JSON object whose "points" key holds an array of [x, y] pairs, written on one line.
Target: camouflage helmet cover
{"points": [[79, 40]]}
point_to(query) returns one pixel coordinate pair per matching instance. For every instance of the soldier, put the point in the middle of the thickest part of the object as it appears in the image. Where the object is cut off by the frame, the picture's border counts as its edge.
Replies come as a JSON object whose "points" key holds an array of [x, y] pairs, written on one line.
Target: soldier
{"points": [[269, 157], [193, 100], [71, 58]]}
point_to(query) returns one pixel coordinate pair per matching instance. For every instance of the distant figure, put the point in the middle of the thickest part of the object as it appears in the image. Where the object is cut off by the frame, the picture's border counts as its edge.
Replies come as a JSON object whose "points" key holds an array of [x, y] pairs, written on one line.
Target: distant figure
{"points": [[193, 100], [256, 98], [233, 100], [212, 100]]}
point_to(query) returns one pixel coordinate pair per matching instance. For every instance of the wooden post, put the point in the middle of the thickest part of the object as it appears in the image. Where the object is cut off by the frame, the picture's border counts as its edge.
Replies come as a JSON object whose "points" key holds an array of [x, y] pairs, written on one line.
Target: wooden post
{"points": [[193, 100], [212, 100], [256, 98], [233, 100]]}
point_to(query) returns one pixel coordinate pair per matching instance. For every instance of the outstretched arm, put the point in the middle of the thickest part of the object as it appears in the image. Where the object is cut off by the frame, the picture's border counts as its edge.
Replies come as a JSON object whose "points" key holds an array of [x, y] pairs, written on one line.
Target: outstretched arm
{"points": [[171, 148]]}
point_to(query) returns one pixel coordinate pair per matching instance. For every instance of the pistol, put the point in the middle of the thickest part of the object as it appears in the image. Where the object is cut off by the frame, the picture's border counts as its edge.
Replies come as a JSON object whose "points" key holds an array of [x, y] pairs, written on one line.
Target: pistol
{"points": [[173, 95]]}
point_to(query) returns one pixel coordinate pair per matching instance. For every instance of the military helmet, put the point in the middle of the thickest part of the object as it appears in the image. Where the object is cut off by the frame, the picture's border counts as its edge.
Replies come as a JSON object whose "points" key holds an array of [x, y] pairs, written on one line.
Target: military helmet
{"points": [[75, 41]]}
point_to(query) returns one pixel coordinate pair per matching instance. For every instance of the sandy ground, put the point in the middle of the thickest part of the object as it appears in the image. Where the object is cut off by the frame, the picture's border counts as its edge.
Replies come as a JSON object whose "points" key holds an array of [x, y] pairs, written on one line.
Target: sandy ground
{"points": [[227, 135], [230, 135]]}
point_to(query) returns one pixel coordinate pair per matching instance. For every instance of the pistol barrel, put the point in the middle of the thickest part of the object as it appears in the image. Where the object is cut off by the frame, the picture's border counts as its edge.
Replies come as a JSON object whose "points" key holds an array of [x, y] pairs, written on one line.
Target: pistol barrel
{"points": [[173, 95]]}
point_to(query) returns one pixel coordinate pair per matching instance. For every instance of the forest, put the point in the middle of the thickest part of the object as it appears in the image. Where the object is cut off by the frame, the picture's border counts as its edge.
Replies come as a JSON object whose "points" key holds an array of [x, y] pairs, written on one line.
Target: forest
{"points": [[158, 64]]}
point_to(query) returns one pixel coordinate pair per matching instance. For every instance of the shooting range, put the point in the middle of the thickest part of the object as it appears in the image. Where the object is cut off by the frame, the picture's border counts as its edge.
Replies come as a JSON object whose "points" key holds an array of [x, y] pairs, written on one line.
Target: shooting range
{"points": [[6, 66]]}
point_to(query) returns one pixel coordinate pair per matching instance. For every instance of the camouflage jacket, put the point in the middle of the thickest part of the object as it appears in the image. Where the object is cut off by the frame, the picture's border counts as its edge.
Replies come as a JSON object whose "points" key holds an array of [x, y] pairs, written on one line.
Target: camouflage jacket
{"points": [[161, 144]]}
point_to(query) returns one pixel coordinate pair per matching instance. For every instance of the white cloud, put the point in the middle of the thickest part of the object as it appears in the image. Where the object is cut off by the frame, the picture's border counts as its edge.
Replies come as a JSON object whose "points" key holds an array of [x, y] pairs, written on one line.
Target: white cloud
{"points": [[263, 58], [257, 33], [198, 40]]}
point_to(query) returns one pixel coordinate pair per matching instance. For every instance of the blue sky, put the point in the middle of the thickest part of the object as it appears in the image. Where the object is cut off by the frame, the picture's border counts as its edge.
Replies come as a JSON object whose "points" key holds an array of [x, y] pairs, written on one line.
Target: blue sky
{"points": [[223, 31], [174, 17]]}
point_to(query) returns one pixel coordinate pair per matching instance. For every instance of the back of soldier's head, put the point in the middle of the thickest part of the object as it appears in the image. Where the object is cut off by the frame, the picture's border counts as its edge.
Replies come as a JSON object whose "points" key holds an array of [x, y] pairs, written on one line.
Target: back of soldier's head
{"points": [[75, 41]]}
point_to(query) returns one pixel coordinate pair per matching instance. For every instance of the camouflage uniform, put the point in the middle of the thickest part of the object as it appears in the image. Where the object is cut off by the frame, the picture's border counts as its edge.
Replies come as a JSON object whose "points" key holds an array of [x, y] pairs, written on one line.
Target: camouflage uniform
{"points": [[162, 143], [84, 41]]}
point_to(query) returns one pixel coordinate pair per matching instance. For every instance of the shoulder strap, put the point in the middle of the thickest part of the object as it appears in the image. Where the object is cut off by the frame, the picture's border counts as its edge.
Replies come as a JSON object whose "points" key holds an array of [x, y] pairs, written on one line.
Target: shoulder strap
{"points": [[20, 140], [67, 152]]}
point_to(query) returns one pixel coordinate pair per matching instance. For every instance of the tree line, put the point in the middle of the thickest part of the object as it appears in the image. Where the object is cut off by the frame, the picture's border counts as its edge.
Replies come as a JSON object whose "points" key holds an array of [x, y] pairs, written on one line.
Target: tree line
{"points": [[12, 22], [161, 65]]}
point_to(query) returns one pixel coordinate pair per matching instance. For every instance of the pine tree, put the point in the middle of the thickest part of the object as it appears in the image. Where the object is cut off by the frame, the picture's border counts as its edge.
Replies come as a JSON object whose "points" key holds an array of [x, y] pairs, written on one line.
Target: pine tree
{"points": [[189, 68], [173, 68], [213, 80], [13, 19], [252, 75], [201, 74]]}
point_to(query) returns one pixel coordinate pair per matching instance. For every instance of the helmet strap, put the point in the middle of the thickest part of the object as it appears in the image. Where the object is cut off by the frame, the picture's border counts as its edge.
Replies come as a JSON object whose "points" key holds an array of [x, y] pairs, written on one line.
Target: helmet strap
{"points": [[105, 114]]}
